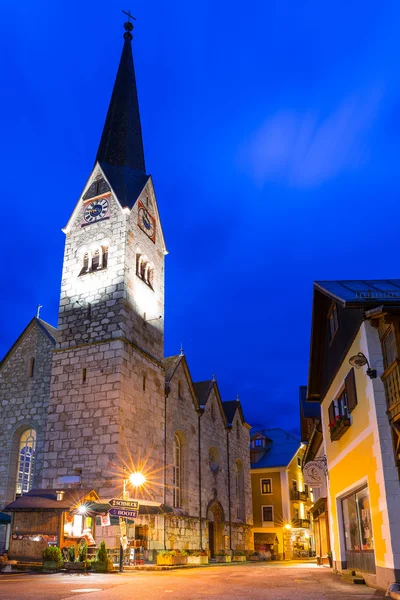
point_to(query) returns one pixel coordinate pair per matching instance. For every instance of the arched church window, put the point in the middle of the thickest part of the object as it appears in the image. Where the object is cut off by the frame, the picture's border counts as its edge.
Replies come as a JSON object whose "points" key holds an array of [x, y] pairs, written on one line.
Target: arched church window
{"points": [[96, 260], [105, 256], [213, 411], [85, 263], [150, 276], [239, 484], [238, 428], [26, 460], [142, 273], [177, 473]]}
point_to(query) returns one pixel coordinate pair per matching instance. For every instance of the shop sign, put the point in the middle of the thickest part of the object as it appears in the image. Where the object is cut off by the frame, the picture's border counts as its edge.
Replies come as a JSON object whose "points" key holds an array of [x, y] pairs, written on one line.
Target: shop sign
{"points": [[118, 502], [105, 520], [121, 512], [314, 474]]}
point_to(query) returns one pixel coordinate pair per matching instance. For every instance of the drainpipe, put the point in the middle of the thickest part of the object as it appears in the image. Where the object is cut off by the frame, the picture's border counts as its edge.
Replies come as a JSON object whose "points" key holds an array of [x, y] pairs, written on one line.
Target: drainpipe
{"points": [[229, 491], [165, 456], [199, 453]]}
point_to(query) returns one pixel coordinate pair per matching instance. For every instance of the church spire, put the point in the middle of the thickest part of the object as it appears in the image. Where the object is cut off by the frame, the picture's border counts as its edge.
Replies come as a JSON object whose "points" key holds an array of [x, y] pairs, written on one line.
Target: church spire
{"points": [[121, 143]]}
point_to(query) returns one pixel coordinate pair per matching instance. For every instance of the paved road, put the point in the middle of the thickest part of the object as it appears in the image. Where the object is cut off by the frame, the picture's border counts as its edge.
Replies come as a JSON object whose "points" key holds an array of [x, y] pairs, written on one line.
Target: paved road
{"points": [[294, 581]]}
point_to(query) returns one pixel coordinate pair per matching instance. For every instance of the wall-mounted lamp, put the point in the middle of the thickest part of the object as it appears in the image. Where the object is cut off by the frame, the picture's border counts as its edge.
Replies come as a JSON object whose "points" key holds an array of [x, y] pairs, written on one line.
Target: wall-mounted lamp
{"points": [[359, 360]]}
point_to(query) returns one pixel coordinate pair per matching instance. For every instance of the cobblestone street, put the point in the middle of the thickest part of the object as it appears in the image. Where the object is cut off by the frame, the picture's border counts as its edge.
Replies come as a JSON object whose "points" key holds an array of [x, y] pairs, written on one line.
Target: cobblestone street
{"points": [[302, 581]]}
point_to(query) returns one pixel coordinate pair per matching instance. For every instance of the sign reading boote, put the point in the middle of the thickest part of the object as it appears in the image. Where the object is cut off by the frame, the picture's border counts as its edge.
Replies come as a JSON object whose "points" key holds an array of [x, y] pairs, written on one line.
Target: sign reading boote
{"points": [[123, 512]]}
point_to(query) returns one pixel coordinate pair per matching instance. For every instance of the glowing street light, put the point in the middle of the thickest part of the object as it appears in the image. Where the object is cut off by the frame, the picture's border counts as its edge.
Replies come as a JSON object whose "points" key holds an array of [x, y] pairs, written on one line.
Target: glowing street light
{"points": [[137, 479], [288, 526], [82, 509]]}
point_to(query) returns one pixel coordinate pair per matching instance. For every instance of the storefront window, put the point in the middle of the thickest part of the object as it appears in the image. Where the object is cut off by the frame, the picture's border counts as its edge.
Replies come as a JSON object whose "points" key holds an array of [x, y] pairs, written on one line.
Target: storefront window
{"points": [[357, 521]]}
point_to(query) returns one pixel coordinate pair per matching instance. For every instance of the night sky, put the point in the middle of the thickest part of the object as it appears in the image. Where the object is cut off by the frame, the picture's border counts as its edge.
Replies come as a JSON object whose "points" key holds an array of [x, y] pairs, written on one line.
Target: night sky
{"points": [[271, 129]]}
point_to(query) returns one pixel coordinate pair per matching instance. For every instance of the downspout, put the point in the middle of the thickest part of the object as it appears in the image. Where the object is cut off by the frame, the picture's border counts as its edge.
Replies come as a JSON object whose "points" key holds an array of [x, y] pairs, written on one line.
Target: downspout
{"points": [[199, 453], [229, 490], [165, 457]]}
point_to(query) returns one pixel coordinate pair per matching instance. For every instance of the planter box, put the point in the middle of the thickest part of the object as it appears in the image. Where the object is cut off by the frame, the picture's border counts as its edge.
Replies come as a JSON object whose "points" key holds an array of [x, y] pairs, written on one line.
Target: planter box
{"points": [[171, 560], [197, 560], [239, 558], [74, 566], [51, 564], [223, 559], [339, 429]]}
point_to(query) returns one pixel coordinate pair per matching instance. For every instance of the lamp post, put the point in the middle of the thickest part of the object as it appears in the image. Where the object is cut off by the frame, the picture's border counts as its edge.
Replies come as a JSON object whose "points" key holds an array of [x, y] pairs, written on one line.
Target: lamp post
{"points": [[136, 479]]}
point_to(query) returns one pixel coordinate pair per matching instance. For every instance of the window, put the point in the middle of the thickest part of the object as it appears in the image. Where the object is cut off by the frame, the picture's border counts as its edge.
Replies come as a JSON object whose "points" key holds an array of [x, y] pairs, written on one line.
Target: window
{"points": [[259, 442], [177, 473], [266, 486], [213, 459], [26, 460], [294, 485], [357, 521], [338, 407], [238, 429], [296, 514], [31, 368], [239, 479], [306, 489], [268, 513], [298, 461], [389, 348], [93, 259], [144, 270], [84, 375], [180, 389], [144, 383], [213, 411], [333, 321]]}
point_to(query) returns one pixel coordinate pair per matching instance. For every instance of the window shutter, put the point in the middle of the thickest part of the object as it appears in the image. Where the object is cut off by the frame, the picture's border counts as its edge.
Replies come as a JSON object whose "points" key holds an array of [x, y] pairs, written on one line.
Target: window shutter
{"points": [[351, 392], [331, 412]]}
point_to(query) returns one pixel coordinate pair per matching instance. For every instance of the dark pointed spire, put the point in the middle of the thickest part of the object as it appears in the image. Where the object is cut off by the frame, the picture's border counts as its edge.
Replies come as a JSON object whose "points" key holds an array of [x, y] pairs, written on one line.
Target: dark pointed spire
{"points": [[121, 143]]}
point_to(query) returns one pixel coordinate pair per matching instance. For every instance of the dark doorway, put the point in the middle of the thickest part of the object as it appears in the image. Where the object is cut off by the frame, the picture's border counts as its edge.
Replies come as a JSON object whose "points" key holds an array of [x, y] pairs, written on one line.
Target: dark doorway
{"points": [[211, 543]]}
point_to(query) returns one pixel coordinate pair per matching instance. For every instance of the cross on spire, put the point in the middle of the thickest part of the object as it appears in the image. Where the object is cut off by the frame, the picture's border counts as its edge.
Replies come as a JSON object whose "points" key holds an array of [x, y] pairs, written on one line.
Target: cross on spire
{"points": [[129, 15]]}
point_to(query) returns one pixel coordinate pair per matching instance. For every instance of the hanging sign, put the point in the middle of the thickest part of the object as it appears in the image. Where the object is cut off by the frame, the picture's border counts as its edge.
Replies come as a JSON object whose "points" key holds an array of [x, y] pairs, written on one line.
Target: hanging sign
{"points": [[118, 502], [314, 474], [105, 520], [121, 512]]}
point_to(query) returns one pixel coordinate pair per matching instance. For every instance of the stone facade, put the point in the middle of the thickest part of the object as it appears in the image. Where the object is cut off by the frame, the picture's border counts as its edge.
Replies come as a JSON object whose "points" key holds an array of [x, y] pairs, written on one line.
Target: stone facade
{"points": [[105, 399]]}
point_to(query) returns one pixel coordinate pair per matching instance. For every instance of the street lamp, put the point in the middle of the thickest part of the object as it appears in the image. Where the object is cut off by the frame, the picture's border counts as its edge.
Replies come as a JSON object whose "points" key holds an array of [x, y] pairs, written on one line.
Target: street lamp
{"points": [[136, 479]]}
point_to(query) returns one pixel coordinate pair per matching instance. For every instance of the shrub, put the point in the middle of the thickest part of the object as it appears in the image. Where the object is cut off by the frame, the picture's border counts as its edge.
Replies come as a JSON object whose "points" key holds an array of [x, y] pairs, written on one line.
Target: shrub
{"points": [[101, 555], [168, 553], [52, 553], [73, 553], [82, 551], [222, 553], [238, 553], [200, 552]]}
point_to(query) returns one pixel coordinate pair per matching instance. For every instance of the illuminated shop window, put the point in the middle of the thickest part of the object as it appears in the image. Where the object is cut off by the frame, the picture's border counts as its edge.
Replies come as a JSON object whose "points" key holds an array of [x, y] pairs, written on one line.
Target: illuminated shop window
{"points": [[26, 460]]}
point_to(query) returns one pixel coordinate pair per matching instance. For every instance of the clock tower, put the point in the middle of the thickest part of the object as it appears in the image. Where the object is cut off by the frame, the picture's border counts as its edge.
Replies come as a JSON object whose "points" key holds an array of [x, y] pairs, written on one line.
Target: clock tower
{"points": [[107, 386]]}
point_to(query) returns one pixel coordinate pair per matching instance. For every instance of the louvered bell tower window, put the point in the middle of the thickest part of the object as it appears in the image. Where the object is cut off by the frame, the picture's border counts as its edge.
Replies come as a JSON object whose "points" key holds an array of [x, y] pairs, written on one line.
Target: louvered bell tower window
{"points": [[97, 188]]}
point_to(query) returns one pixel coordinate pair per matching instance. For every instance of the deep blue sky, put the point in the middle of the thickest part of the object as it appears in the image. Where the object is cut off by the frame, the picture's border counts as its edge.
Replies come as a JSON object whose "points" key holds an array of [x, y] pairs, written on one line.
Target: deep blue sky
{"points": [[271, 130]]}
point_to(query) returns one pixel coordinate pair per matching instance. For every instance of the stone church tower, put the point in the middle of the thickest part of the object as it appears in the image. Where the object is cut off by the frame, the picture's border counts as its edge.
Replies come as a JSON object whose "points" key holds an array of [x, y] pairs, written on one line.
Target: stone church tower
{"points": [[107, 384]]}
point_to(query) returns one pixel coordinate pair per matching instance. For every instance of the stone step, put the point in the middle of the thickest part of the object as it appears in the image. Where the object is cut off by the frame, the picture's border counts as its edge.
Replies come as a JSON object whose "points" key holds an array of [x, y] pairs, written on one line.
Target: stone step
{"points": [[354, 578]]}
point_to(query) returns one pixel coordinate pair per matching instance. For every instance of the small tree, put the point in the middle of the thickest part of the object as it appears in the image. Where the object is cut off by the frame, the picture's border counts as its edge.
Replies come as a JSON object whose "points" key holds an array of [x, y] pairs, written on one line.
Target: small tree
{"points": [[83, 551], [102, 555]]}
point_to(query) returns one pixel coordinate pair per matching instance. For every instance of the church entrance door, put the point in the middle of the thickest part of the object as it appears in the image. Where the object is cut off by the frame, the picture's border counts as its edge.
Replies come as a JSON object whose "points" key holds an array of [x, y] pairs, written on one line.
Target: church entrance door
{"points": [[211, 541]]}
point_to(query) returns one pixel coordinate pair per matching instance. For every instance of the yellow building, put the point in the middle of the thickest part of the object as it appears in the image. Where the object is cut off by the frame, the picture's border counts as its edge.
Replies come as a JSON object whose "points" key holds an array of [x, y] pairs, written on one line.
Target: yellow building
{"points": [[281, 500], [354, 374]]}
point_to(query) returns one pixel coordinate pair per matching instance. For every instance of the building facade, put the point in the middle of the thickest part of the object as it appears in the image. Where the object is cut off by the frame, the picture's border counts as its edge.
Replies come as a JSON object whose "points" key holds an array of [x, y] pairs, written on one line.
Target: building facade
{"points": [[95, 399], [354, 375], [281, 500]]}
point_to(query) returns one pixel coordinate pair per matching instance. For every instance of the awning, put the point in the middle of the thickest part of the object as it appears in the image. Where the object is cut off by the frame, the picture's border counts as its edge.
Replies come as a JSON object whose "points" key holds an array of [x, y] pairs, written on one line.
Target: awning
{"points": [[265, 538], [4, 519]]}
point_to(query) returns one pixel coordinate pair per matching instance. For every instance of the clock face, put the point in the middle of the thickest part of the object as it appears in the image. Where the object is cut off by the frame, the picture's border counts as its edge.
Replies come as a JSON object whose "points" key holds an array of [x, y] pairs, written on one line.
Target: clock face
{"points": [[96, 210], [146, 222]]}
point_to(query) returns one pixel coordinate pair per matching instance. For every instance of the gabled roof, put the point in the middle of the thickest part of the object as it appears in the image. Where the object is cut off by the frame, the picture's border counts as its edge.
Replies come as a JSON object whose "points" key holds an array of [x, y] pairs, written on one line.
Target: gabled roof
{"points": [[230, 407], [280, 452], [49, 330], [126, 183], [121, 143], [170, 364], [203, 390], [40, 499], [362, 293]]}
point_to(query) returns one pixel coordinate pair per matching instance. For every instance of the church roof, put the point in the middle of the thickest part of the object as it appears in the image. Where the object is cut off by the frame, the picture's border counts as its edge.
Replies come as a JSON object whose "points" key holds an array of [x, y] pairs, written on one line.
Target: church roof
{"points": [[126, 182], [49, 330], [203, 390], [170, 364], [121, 143]]}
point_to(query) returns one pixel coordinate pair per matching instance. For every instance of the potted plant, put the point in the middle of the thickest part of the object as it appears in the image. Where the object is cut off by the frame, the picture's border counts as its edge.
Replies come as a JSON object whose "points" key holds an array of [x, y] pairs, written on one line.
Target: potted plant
{"points": [[101, 563], [52, 557], [223, 556], [239, 556], [197, 557], [330, 558]]}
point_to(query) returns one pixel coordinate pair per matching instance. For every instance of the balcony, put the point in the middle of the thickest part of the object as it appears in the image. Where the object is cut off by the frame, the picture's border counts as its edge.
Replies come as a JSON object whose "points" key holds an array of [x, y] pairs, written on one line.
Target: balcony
{"points": [[339, 427], [305, 523], [391, 380], [296, 495]]}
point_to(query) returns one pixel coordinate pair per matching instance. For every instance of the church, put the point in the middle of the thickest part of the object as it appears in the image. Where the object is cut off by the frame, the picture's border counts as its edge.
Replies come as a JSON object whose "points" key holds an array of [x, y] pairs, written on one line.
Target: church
{"points": [[92, 404]]}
